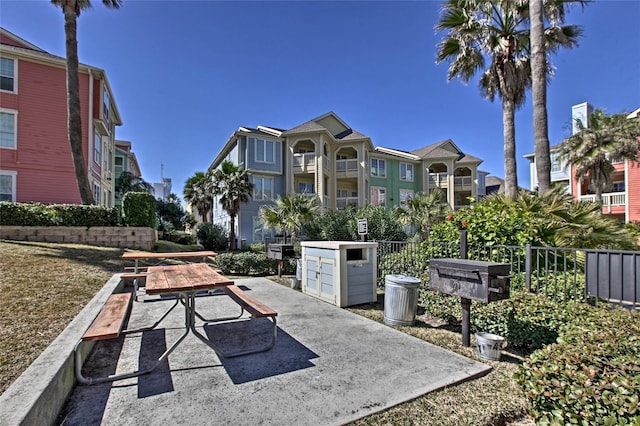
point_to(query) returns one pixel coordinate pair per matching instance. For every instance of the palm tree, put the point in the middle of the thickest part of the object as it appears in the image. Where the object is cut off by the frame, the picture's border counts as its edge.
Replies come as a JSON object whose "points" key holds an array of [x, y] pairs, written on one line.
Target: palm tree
{"points": [[128, 182], [592, 150], [481, 29], [197, 192], [423, 211], [232, 184], [554, 11], [71, 10], [290, 214]]}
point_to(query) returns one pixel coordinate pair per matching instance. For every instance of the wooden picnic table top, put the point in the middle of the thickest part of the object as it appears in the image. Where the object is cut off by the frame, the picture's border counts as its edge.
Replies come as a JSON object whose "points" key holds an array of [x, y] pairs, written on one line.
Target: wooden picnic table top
{"points": [[183, 278], [168, 255]]}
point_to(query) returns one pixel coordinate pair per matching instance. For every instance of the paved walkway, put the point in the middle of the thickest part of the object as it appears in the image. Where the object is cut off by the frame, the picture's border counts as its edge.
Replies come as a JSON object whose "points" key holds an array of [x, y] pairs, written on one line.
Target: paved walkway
{"points": [[328, 367]]}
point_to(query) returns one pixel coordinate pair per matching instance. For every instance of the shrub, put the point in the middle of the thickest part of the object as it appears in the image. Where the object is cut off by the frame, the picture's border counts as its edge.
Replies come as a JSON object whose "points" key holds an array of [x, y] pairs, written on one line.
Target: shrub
{"points": [[212, 237], [257, 247], [246, 263], [406, 262], [37, 214], [139, 209], [591, 375]]}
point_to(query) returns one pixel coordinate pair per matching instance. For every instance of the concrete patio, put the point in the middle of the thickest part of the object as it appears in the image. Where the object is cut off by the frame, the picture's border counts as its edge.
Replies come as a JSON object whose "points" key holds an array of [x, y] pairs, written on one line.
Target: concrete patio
{"points": [[328, 367]]}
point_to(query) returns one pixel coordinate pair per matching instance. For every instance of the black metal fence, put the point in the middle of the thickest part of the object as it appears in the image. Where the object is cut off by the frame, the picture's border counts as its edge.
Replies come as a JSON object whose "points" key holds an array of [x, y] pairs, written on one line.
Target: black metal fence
{"points": [[559, 273]]}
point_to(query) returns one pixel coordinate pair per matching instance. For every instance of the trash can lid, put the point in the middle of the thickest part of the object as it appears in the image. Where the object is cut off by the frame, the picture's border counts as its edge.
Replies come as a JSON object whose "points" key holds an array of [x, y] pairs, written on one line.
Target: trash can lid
{"points": [[403, 279]]}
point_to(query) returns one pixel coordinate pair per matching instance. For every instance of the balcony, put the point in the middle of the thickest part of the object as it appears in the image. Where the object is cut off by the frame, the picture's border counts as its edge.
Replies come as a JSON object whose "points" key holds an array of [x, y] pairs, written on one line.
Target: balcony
{"points": [[304, 162], [441, 180], [344, 202], [613, 202], [463, 182], [347, 168]]}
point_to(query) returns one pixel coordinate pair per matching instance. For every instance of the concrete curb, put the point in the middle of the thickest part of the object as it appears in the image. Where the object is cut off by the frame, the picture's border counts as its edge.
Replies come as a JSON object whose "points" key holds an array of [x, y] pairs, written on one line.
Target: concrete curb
{"points": [[38, 395]]}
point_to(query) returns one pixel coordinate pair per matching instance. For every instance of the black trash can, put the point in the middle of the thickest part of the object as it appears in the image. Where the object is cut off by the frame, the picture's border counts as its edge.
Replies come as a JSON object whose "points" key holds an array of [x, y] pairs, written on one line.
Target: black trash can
{"points": [[400, 299]]}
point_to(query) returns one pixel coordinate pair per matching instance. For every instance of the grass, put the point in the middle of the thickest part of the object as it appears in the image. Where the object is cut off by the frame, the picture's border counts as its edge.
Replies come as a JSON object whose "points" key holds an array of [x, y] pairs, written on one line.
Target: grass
{"points": [[43, 286]]}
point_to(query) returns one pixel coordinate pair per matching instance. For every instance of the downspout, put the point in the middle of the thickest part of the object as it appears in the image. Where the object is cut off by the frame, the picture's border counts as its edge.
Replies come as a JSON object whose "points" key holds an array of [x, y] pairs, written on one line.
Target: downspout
{"points": [[90, 135]]}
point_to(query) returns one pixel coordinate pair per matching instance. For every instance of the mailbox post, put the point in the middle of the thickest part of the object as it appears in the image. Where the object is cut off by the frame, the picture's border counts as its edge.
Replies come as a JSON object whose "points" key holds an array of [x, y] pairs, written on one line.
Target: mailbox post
{"points": [[281, 252], [471, 280]]}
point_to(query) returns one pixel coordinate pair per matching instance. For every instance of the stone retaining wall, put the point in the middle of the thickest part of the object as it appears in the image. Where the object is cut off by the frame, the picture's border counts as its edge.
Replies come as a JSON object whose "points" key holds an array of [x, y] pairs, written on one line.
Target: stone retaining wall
{"points": [[105, 236]]}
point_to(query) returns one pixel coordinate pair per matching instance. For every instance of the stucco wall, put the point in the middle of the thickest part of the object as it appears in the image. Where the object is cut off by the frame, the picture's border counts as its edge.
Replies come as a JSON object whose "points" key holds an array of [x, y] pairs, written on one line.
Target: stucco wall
{"points": [[105, 236]]}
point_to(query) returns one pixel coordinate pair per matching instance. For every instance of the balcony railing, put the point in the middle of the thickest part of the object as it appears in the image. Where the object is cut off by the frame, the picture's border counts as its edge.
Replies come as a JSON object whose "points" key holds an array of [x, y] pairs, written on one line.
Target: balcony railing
{"points": [[350, 165], [304, 160], [343, 202], [609, 199], [439, 179], [463, 181]]}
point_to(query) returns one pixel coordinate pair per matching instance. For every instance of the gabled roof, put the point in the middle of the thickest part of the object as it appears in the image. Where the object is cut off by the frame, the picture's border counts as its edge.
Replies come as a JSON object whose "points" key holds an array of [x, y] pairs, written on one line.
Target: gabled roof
{"points": [[10, 39], [442, 149], [329, 123], [396, 153]]}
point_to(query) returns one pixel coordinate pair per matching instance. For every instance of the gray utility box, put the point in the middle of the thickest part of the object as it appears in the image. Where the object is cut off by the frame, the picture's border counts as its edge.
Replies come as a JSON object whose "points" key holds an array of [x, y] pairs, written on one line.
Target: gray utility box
{"points": [[280, 251], [470, 279], [340, 272]]}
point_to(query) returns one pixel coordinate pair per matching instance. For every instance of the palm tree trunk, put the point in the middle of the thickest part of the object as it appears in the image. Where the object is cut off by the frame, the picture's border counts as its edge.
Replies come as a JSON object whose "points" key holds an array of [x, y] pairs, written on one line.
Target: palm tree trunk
{"points": [[509, 132], [73, 104], [539, 94]]}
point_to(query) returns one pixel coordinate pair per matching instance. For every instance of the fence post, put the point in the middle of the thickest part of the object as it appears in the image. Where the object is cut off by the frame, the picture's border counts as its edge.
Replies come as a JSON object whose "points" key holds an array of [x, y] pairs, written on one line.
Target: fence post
{"points": [[464, 249], [527, 268]]}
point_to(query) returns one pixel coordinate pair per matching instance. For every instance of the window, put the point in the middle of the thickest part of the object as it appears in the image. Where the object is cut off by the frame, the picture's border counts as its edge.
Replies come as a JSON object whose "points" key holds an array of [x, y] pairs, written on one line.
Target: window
{"points": [[406, 172], [405, 195], [106, 104], [618, 187], [7, 75], [378, 168], [97, 147], [96, 194], [8, 120], [265, 151], [119, 165], [305, 188], [262, 188], [378, 196], [258, 229], [556, 165], [7, 186]]}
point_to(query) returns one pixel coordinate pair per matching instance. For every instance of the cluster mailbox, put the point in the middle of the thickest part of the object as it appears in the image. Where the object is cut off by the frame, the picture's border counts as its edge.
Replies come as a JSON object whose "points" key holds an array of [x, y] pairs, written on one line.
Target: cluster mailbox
{"points": [[280, 251], [470, 279]]}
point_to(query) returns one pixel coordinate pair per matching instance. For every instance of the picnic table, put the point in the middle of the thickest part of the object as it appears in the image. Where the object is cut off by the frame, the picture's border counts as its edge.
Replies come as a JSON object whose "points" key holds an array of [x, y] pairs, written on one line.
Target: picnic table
{"points": [[183, 281]]}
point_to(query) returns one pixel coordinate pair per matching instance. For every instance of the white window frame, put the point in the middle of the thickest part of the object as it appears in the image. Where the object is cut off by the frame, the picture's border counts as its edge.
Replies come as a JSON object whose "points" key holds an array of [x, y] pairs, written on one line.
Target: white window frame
{"points": [[14, 76], [382, 193], [97, 147], [12, 174], [406, 169], [265, 158], [261, 194], [405, 195], [15, 127], [377, 168], [260, 234], [96, 193], [106, 105]]}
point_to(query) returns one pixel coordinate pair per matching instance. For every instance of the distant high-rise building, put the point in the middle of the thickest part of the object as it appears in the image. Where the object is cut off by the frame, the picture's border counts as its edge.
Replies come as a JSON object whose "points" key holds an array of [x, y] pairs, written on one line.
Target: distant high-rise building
{"points": [[162, 189]]}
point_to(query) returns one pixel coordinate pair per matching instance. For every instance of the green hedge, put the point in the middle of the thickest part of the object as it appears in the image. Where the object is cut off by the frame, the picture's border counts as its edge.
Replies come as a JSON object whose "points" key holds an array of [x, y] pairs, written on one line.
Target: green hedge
{"points": [[591, 375], [37, 214], [250, 263], [139, 209]]}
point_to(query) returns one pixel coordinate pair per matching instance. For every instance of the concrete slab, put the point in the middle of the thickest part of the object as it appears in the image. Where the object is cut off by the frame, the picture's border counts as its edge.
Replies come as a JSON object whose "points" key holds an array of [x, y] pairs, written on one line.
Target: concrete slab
{"points": [[328, 366]]}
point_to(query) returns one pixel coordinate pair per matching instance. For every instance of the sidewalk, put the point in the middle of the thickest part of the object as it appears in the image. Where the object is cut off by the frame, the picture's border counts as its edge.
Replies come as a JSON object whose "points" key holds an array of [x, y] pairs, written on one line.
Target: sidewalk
{"points": [[328, 367]]}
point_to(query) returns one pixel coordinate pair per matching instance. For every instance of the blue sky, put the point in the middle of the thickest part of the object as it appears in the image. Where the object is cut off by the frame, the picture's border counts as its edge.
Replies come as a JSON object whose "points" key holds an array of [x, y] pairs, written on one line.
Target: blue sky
{"points": [[186, 74]]}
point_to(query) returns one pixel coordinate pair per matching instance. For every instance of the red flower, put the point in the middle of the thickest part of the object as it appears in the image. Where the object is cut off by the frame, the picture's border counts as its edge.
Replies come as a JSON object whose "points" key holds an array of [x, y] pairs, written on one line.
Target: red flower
{"points": [[464, 223], [449, 216]]}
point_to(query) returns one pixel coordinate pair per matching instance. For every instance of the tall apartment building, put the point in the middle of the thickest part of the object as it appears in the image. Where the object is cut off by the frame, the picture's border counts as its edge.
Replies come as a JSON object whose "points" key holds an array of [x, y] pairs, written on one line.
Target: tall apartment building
{"points": [[35, 157], [622, 201], [325, 157]]}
